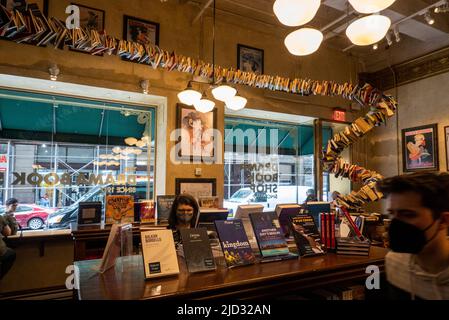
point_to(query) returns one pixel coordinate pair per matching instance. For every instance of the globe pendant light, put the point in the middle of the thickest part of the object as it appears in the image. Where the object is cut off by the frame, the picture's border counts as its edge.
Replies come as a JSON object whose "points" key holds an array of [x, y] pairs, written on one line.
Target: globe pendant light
{"points": [[294, 13], [370, 6], [223, 92], [368, 30], [189, 96], [204, 105], [304, 41], [236, 103]]}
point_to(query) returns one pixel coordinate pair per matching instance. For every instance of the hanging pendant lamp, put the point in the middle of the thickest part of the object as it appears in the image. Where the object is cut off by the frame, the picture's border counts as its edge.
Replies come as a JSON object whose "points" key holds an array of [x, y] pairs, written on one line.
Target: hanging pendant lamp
{"points": [[368, 30], [304, 41], [189, 96], [223, 92], [294, 13], [236, 103], [370, 6]]}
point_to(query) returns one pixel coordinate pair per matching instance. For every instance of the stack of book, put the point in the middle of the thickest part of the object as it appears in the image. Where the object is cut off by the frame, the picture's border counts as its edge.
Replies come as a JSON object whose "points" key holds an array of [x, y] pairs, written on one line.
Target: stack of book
{"points": [[353, 246]]}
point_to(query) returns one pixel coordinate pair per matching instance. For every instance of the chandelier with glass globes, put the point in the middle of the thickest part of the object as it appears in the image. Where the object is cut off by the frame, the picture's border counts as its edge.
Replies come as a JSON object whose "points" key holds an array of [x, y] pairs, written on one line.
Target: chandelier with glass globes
{"points": [[364, 31]]}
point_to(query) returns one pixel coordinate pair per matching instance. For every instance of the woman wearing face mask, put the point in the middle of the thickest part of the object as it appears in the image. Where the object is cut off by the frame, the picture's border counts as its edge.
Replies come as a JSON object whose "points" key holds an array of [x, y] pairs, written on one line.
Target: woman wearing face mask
{"points": [[418, 266], [183, 214]]}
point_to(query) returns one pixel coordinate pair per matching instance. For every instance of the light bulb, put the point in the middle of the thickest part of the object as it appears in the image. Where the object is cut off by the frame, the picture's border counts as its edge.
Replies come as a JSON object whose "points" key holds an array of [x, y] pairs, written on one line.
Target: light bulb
{"points": [[368, 30], [223, 92], [236, 103], [304, 41], [429, 18], [294, 13]]}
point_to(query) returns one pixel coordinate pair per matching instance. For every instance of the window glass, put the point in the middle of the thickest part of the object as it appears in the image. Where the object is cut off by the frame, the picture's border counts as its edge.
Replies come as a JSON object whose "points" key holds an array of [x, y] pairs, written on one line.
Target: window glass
{"points": [[67, 151]]}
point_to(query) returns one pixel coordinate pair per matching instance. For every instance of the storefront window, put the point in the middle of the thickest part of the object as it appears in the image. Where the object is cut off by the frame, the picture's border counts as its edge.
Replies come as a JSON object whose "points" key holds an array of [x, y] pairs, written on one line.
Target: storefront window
{"points": [[267, 163], [66, 151]]}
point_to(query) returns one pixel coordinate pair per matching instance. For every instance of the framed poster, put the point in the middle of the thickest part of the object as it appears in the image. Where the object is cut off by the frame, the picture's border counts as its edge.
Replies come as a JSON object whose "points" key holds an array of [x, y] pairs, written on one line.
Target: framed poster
{"points": [[250, 59], [91, 18], [420, 148], [196, 187], [446, 134], [197, 136], [140, 31]]}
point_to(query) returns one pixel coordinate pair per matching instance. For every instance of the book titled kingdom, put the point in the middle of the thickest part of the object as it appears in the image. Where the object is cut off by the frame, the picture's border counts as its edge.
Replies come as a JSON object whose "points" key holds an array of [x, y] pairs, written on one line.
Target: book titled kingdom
{"points": [[159, 253], [119, 209], [163, 206], [234, 242], [197, 250], [306, 235], [269, 235]]}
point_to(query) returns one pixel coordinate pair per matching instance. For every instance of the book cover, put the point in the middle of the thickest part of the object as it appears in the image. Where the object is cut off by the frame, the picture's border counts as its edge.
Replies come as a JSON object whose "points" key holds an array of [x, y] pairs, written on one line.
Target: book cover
{"points": [[146, 211], [284, 213], [197, 250], [159, 253], [119, 209], [209, 202], [89, 212], [306, 235], [164, 204], [234, 242], [268, 232]]}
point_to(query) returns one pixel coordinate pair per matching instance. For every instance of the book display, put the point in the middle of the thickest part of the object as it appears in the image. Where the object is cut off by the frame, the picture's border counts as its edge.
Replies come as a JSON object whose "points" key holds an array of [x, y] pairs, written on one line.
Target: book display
{"points": [[284, 213], [147, 211], [164, 204], [306, 235], [234, 242], [197, 250], [159, 253], [119, 209]]}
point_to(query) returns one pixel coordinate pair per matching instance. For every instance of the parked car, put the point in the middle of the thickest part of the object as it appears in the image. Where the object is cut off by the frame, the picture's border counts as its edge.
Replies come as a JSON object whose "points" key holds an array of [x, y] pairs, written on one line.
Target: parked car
{"points": [[31, 216]]}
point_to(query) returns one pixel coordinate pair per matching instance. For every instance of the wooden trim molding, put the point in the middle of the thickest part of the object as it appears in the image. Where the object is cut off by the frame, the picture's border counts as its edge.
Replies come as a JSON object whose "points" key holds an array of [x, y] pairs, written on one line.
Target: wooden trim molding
{"points": [[429, 65]]}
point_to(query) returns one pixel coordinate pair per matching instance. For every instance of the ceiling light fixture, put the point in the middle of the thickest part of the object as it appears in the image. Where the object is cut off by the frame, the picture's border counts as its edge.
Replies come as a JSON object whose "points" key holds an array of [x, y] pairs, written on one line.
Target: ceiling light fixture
{"points": [[370, 6], [304, 41], [429, 18], [236, 103], [388, 37], [54, 72], [189, 96], [223, 92], [368, 30], [145, 85], [294, 13], [204, 105]]}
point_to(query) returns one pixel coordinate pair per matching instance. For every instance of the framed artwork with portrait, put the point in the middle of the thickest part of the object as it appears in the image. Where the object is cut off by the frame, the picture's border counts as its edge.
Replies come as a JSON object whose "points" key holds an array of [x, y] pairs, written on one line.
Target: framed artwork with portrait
{"points": [[446, 134], [21, 5], [250, 59], [420, 148], [140, 31], [197, 188], [91, 18], [196, 139]]}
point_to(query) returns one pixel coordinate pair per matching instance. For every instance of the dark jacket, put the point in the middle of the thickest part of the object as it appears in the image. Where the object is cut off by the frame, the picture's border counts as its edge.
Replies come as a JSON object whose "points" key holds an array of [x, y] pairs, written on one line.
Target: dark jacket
{"points": [[7, 220]]}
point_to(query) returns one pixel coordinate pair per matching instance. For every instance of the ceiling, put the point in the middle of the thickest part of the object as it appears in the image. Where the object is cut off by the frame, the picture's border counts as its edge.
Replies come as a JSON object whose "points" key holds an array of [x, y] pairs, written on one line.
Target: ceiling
{"points": [[417, 37]]}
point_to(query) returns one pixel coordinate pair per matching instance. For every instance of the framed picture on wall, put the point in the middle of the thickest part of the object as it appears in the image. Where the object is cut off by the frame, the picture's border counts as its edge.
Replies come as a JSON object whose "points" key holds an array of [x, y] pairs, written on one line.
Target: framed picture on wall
{"points": [[420, 148], [91, 18], [140, 31], [250, 59], [446, 134], [14, 4], [196, 187], [196, 140]]}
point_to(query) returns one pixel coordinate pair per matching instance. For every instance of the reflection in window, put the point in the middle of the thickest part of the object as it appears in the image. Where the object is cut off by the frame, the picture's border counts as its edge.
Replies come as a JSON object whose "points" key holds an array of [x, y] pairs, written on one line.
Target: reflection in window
{"points": [[70, 151]]}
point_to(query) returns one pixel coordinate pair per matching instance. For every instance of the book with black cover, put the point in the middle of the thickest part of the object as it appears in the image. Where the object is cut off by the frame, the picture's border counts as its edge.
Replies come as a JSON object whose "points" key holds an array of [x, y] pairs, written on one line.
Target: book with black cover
{"points": [[197, 250], [164, 204], [89, 213], [284, 213], [234, 242], [269, 236], [306, 235]]}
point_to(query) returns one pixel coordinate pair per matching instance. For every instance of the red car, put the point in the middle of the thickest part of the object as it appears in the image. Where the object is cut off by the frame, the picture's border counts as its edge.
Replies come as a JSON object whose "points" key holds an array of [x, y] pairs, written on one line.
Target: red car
{"points": [[31, 216]]}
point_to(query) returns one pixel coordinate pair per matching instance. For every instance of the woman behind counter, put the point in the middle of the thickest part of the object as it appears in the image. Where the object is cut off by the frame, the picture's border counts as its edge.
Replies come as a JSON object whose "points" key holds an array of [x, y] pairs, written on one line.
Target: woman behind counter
{"points": [[183, 214]]}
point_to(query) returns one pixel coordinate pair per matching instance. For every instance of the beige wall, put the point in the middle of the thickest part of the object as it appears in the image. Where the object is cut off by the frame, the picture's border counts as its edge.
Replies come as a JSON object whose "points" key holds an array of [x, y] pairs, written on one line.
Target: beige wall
{"points": [[420, 103]]}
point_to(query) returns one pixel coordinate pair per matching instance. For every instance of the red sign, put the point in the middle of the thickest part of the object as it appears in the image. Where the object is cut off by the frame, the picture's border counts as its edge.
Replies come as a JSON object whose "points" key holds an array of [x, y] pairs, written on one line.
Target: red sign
{"points": [[3, 162], [339, 115]]}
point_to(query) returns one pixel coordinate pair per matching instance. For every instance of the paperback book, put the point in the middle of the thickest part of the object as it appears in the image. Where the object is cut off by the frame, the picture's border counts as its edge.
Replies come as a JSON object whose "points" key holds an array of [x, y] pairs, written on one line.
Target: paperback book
{"points": [[119, 209], [197, 250], [306, 235], [164, 204]]}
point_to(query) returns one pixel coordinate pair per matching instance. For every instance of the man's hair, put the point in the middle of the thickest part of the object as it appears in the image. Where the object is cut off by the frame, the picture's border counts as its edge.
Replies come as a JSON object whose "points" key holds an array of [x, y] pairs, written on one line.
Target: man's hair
{"points": [[432, 187], [11, 201]]}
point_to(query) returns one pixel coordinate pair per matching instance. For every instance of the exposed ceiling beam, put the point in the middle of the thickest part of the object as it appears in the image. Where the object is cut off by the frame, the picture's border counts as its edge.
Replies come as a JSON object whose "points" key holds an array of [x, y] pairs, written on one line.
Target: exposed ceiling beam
{"points": [[203, 9]]}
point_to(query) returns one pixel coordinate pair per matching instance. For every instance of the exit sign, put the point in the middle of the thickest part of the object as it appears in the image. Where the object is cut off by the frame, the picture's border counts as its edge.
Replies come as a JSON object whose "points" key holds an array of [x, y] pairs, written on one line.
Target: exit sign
{"points": [[339, 115]]}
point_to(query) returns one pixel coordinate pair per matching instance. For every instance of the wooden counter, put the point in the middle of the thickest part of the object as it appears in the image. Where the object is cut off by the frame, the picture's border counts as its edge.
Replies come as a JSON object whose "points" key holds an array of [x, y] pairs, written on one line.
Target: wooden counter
{"points": [[261, 280]]}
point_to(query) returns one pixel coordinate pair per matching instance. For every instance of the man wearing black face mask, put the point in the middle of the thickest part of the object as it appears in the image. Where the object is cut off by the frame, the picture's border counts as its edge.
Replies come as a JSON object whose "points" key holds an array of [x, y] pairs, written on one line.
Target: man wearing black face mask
{"points": [[418, 266]]}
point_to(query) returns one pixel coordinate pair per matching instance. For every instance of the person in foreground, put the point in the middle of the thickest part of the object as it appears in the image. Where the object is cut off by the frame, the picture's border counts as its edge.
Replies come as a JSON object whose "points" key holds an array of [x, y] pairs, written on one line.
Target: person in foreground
{"points": [[183, 214], [8, 227], [418, 265]]}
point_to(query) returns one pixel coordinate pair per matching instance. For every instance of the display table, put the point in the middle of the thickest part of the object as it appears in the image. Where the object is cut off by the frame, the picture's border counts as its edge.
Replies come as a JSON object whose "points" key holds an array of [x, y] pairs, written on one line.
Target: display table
{"points": [[262, 280]]}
